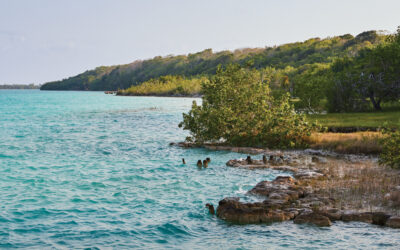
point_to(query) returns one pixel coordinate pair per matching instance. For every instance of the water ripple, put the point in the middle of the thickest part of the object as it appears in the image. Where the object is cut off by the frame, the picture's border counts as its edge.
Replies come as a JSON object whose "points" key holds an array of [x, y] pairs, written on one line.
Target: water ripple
{"points": [[88, 170]]}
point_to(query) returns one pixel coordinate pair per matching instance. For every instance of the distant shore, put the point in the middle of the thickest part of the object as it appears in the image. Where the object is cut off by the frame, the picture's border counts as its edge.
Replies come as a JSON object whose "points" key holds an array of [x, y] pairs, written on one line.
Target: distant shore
{"points": [[19, 86]]}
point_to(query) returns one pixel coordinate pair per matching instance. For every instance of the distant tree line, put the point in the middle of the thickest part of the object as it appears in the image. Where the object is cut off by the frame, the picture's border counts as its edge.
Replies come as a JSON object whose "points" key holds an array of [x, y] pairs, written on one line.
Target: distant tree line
{"points": [[285, 57], [19, 86]]}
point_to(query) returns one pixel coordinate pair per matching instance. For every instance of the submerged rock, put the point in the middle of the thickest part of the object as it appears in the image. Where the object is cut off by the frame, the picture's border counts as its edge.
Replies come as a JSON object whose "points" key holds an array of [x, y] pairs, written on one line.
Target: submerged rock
{"points": [[210, 208]]}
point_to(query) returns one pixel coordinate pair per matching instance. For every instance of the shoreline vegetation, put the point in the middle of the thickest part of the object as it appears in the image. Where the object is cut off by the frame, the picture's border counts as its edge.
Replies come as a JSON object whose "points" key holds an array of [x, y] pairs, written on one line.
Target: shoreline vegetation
{"points": [[167, 86]]}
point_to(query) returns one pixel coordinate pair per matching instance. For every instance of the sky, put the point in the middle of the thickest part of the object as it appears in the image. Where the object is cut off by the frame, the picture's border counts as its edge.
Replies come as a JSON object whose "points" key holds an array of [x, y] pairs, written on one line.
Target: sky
{"points": [[46, 40]]}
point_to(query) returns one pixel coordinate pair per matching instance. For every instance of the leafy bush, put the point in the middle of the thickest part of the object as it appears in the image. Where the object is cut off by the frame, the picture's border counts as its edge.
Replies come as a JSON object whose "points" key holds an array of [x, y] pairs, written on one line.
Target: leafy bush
{"points": [[238, 109], [166, 85], [390, 149]]}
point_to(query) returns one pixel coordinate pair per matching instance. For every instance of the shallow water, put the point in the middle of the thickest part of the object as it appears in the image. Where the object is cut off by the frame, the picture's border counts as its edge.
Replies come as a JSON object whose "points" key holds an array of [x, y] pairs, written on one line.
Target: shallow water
{"points": [[85, 169]]}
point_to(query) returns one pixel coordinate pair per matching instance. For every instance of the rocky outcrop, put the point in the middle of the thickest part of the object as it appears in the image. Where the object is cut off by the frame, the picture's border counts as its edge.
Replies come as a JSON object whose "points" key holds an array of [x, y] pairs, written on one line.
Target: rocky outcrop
{"points": [[293, 198], [297, 197], [313, 218], [355, 216], [302, 167], [283, 188], [333, 214], [379, 218], [286, 199], [393, 222], [232, 210]]}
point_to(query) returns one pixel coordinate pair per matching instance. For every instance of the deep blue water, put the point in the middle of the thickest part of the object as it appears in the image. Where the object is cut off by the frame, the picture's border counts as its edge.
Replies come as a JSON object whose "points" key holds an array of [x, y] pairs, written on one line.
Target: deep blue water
{"points": [[85, 169]]}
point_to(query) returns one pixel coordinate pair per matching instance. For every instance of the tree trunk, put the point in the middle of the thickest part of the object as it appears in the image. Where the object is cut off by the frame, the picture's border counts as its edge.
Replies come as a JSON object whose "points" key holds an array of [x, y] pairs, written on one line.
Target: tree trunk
{"points": [[377, 104]]}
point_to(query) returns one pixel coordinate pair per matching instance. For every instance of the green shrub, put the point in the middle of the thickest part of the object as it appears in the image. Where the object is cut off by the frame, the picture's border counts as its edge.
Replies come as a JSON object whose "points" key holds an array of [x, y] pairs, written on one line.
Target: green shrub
{"points": [[238, 109], [390, 149], [166, 85]]}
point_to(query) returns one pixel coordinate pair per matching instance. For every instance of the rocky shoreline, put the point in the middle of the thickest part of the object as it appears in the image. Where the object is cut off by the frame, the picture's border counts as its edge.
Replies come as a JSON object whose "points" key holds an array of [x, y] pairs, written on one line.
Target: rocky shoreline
{"points": [[297, 198], [324, 187]]}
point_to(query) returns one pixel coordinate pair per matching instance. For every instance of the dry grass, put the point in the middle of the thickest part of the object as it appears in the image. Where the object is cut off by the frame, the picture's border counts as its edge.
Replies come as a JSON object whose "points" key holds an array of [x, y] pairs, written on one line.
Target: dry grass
{"points": [[362, 186], [347, 143]]}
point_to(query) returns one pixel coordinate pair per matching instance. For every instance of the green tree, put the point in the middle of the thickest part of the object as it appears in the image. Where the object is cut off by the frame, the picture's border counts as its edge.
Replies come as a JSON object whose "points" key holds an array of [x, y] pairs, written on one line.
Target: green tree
{"points": [[238, 109], [310, 85], [372, 76]]}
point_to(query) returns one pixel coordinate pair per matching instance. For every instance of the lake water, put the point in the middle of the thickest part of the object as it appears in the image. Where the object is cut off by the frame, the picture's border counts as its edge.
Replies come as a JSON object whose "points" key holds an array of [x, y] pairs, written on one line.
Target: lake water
{"points": [[89, 170]]}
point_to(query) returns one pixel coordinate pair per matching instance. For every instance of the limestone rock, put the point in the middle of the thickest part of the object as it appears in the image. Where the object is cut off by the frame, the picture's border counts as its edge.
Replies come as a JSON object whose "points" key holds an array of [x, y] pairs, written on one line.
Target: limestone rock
{"points": [[333, 214], [354, 216], [393, 222], [379, 218], [233, 210], [313, 218], [282, 188], [319, 159]]}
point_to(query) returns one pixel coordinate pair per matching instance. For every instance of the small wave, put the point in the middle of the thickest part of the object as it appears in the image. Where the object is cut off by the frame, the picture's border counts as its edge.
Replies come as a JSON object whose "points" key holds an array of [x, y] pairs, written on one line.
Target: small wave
{"points": [[98, 184], [71, 222], [5, 156], [173, 229]]}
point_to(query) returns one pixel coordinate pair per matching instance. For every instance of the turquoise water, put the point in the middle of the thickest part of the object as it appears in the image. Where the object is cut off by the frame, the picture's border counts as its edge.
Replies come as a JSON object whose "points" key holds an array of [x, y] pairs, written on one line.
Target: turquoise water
{"points": [[85, 169]]}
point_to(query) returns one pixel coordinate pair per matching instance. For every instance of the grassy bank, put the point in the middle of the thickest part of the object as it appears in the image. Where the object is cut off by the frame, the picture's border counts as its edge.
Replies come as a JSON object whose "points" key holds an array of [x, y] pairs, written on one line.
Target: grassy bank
{"points": [[348, 143], [368, 119]]}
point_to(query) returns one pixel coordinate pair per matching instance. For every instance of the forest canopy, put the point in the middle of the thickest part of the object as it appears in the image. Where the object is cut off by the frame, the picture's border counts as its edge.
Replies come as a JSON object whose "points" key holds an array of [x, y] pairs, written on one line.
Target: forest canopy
{"points": [[205, 63]]}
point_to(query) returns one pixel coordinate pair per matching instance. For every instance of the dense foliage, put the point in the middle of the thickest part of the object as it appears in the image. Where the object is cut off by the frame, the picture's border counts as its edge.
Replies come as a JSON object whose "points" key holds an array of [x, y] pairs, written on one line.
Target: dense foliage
{"points": [[239, 109], [368, 79], [309, 84], [390, 149], [166, 86], [293, 55]]}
